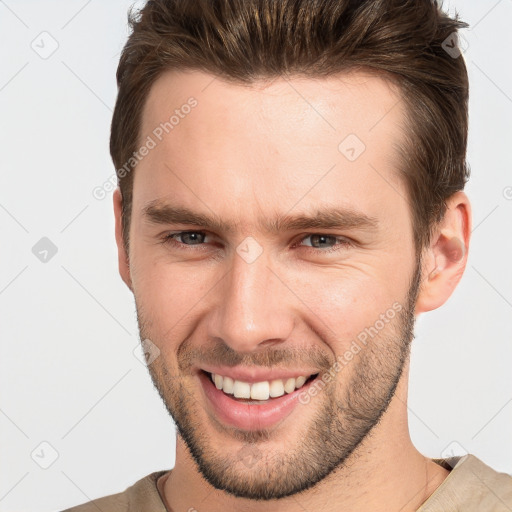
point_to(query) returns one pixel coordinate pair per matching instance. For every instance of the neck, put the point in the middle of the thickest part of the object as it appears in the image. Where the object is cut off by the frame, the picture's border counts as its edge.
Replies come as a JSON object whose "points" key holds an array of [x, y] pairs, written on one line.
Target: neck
{"points": [[385, 473]]}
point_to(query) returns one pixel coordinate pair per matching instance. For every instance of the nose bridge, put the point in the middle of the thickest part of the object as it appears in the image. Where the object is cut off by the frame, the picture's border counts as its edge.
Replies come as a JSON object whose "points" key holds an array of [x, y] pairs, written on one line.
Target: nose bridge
{"points": [[251, 308]]}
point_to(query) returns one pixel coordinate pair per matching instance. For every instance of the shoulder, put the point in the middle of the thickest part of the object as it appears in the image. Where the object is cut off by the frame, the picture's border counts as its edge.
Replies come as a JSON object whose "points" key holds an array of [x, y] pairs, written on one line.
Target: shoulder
{"points": [[471, 486], [142, 496]]}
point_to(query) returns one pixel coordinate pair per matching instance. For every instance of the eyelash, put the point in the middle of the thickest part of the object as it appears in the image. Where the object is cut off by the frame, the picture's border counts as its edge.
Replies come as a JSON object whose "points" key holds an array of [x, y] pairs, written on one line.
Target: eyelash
{"points": [[169, 239]]}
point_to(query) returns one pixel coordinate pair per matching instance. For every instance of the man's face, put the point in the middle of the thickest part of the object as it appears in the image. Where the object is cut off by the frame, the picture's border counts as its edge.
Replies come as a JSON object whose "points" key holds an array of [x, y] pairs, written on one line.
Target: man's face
{"points": [[259, 293]]}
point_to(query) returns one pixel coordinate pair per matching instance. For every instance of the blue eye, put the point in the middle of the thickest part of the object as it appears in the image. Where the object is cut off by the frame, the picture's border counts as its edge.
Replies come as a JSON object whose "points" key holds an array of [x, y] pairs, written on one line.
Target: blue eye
{"points": [[184, 240], [322, 239], [184, 235]]}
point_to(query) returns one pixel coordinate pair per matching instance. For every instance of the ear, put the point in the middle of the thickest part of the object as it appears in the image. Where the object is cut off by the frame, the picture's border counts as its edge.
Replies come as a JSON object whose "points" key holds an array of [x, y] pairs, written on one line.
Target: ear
{"points": [[122, 256], [445, 260]]}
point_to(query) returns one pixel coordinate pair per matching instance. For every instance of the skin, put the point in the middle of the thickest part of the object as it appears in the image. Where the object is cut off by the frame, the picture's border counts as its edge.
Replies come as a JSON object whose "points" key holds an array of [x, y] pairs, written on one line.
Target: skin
{"points": [[249, 153]]}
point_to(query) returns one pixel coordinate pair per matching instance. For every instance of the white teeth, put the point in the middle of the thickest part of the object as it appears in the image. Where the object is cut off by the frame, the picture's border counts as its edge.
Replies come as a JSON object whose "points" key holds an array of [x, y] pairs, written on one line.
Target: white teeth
{"points": [[258, 390], [241, 389], [218, 381], [299, 381], [289, 385], [276, 388], [228, 385]]}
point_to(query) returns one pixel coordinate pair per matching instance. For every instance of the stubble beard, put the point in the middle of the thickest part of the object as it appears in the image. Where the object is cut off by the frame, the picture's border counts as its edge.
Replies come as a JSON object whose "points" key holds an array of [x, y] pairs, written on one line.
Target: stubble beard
{"points": [[345, 415]]}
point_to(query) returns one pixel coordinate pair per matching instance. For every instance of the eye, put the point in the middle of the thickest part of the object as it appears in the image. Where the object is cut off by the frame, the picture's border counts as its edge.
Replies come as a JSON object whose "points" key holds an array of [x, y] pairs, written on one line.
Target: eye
{"points": [[184, 237], [320, 239], [184, 240]]}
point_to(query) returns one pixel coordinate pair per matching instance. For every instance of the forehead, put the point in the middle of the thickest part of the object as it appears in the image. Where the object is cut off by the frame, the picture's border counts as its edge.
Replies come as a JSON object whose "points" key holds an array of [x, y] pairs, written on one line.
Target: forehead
{"points": [[355, 100], [276, 142]]}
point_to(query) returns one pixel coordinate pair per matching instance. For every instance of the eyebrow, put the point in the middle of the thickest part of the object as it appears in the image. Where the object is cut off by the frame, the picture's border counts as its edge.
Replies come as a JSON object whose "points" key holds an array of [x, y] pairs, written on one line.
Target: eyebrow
{"points": [[324, 217]]}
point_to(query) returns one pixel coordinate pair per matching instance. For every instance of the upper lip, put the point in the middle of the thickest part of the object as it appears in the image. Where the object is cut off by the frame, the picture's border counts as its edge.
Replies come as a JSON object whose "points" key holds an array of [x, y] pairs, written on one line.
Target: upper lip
{"points": [[252, 375]]}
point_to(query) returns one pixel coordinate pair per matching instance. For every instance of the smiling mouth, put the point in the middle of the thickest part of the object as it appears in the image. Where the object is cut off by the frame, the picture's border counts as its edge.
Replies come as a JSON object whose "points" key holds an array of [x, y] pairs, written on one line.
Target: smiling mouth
{"points": [[258, 392]]}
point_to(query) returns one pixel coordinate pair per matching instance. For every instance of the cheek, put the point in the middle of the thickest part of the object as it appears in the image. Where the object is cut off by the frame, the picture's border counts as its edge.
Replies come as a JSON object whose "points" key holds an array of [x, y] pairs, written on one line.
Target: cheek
{"points": [[170, 294], [344, 303]]}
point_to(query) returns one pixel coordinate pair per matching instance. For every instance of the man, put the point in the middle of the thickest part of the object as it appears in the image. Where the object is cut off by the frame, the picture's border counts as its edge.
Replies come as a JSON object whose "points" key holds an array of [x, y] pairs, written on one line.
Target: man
{"points": [[290, 198]]}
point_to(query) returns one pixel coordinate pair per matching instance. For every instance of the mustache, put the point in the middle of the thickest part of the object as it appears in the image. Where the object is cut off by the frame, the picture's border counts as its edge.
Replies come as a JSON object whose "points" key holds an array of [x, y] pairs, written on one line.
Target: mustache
{"points": [[222, 354]]}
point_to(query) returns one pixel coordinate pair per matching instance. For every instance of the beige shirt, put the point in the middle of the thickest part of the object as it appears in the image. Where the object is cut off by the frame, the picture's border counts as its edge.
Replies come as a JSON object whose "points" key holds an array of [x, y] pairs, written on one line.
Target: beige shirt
{"points": [[471, 486]]}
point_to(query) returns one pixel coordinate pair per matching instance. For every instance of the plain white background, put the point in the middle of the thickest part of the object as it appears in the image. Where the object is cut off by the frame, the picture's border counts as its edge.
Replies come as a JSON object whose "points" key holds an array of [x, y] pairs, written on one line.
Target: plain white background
{"points": [[69, 376]]}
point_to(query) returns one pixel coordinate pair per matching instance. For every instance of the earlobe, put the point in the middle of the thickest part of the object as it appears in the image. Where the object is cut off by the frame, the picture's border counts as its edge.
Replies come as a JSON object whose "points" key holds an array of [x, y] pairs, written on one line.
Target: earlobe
{"points": [[123, 260], [446, 257]]}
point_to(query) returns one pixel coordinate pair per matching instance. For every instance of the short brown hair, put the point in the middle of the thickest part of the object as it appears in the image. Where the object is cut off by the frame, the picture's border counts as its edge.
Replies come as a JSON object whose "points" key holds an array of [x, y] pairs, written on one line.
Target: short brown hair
{"points": [[243, 41]]}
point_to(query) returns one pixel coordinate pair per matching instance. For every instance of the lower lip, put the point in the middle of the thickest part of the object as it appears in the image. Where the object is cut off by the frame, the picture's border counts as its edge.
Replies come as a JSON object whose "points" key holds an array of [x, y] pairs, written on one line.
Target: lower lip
{"points": [[247, 416]]}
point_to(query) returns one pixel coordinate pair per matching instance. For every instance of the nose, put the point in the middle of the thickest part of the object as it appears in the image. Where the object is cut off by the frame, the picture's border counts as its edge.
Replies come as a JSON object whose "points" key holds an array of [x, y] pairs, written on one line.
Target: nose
{"points": [[253, 308]]}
